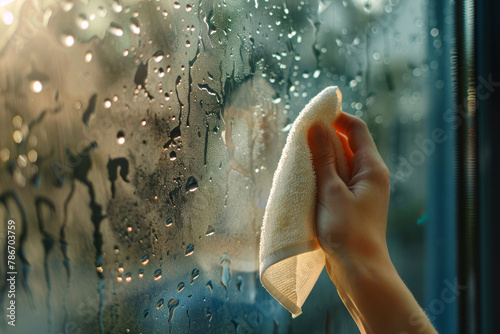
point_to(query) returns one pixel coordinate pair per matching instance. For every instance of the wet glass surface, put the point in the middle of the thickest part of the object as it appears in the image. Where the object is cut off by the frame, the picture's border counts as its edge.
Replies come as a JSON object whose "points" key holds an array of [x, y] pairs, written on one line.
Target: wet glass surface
{"points": [[138, 140]]}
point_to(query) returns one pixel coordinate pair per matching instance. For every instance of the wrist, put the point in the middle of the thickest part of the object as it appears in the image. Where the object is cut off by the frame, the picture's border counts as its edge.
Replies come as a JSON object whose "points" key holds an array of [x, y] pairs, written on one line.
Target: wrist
{"points": [[362, 269], [360, 259], [376, 296]]}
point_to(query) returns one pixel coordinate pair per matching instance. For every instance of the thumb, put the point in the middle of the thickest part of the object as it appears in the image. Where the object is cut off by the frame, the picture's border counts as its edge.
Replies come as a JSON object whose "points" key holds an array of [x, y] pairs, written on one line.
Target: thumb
{"points": [[321, 145]]}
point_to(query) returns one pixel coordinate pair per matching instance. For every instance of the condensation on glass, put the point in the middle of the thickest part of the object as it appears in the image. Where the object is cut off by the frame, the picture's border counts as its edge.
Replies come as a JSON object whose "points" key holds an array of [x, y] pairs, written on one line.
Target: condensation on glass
{"points": [[139, 138]]}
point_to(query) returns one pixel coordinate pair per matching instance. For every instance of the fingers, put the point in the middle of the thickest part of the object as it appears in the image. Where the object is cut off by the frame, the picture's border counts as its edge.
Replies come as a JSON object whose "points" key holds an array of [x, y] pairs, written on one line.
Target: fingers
{"points": [[356, 131], [360, 141], [321, 145], [367, 162]]}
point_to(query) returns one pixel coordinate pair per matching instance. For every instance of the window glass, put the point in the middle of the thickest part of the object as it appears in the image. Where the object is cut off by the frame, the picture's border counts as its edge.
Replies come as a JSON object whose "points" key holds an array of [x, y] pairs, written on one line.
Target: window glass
{"points": [[138, 140]]}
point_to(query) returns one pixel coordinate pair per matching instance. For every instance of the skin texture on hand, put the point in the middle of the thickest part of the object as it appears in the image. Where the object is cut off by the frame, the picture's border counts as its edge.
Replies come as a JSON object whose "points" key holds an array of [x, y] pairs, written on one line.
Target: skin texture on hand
{"points": [[351, 222]]}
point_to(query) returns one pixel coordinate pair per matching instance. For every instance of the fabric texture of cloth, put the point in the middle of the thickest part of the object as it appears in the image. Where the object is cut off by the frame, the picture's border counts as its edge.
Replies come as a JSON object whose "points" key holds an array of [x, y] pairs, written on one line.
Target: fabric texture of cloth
{"points": [[290, 256]]}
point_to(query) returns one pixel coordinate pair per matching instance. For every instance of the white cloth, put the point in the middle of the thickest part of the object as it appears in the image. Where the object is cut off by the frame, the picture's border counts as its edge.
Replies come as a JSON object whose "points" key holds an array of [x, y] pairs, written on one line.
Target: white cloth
{"points": [[291, 259]]}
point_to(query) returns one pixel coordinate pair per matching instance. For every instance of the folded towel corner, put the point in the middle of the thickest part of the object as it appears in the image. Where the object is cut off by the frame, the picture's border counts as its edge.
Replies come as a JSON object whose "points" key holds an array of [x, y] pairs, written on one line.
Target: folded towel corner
{"points": [[291, 259]]}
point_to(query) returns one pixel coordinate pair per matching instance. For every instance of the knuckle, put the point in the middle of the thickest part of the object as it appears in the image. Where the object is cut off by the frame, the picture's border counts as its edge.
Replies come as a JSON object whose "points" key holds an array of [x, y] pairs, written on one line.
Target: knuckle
{"points": [[385, 174], [359, 124], [380, 174]]}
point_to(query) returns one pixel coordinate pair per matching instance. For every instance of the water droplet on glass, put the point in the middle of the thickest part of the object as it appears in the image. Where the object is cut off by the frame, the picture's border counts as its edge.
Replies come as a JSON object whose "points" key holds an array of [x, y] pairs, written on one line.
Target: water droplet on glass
{"points": [[158, 56], [287, 128], [17, 136], [173, 156], [141, 273], [145, 259], [367, 7], [107, 103], [169, 222], [145, 313], [117, 6], [17, 121], [209, 286], [209, 314], [159, 304], [225, 273], [135, 26], [157, 274], [316, 74], [88, 57], [180, 287], [191, 184], [188, 8], [67, 5], [210, 230], [128, 277], [4, 154], [68, 40], [194, 275], [8, 18], [82, 22], [239, 282], [189, 250], [102, 11], [172, 305], [36, 86], [177, 5], [276, 98], [115, 29], [22, 161], [120, 137], [188, 44]]}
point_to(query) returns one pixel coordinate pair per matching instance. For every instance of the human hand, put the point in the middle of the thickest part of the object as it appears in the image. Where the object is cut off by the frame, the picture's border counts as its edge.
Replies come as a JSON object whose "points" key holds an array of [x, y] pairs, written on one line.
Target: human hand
{"points": [[350, 216], [351, 221]]}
